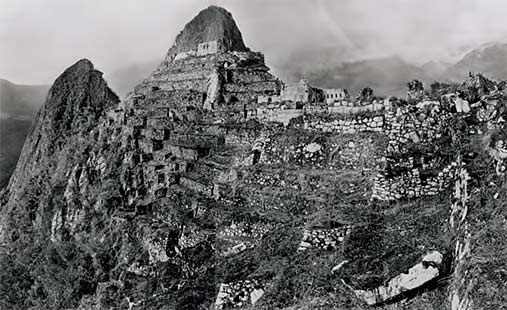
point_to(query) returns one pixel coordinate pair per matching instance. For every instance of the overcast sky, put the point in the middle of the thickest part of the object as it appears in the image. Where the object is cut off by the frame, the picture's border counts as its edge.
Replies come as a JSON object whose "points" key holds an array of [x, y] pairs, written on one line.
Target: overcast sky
{"points": [[40, 38]]}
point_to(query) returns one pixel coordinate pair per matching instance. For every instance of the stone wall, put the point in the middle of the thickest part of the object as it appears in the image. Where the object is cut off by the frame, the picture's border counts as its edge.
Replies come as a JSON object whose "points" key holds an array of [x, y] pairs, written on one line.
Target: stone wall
{"points": [[211, 47], [191, 236], [404, 126], [245, 230], [324, 239], [239, 294], [345, 109], [353, 125], [276, 114], [240, 236], [335, 95], [401, 177], [410, 184]]}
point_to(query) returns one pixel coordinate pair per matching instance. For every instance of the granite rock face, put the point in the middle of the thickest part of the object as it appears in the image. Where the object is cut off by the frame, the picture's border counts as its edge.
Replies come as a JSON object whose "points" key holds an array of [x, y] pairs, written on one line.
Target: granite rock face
{"points": [[74, 105]]}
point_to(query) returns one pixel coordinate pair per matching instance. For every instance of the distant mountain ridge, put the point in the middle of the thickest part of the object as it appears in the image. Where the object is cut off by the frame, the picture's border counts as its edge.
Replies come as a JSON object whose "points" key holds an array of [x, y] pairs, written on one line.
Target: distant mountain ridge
{"points": [[18, 106], [21, 99], [490, 59], [388, 75]]}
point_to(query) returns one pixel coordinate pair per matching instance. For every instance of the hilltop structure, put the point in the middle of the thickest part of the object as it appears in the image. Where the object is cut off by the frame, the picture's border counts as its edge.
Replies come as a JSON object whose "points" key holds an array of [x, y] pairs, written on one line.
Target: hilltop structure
{"points": [[215, 185]]}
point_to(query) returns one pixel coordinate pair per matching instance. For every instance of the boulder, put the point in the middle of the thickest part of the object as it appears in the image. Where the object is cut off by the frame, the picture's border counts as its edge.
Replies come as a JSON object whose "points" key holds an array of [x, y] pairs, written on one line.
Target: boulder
{"points": [[416, 277]]}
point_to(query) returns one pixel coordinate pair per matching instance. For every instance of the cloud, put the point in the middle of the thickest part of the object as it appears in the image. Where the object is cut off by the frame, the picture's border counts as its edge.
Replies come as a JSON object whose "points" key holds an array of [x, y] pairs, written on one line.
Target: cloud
{"points": [[40, 38]]}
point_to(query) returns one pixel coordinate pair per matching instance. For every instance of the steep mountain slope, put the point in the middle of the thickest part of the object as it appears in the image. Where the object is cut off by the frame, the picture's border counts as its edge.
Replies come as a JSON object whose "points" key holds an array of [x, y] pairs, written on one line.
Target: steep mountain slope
{"points": [[58, 139], [74, 105], [489, 59], [191, 194], [106, 183]]}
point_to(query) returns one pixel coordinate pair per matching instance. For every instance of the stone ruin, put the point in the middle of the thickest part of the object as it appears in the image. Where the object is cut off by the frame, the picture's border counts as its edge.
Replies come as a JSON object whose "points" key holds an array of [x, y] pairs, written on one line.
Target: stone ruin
{"points": [[210, 122], [324, 239], [239, 294], [175, 125], [239, 237]]}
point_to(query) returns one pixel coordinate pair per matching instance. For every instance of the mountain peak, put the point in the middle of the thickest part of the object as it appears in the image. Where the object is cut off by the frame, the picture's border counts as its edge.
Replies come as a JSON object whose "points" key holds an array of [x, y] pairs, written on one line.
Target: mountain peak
{"points": [[211, 24], [84, 64]]}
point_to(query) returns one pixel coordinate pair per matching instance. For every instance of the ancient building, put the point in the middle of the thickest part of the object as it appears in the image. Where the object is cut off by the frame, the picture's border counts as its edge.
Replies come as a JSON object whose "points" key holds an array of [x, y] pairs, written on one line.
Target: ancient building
{"points": [[335, 95], [302, 92]]}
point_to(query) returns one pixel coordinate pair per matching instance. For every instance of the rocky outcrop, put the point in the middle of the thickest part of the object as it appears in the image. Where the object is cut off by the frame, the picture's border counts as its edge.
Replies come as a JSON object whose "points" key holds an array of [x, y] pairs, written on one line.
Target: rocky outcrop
{"points": [[58, 139], [211, 24], [416, 277]]}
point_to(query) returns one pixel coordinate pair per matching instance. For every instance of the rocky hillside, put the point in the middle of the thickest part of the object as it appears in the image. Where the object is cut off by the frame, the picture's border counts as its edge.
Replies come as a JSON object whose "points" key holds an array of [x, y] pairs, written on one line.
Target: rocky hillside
{"points": [[203, 189]]}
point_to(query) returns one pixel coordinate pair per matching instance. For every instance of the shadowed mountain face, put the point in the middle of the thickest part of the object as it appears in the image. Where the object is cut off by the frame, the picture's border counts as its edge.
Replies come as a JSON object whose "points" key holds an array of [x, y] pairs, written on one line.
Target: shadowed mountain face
{"points": [[18, 106], [74, 104]]}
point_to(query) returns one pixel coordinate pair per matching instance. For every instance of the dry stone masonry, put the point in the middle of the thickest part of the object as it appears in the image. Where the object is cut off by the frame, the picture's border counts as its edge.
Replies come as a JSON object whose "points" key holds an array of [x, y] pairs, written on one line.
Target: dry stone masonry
{"points": [[324, 239], [240, 236], [239, 294]]}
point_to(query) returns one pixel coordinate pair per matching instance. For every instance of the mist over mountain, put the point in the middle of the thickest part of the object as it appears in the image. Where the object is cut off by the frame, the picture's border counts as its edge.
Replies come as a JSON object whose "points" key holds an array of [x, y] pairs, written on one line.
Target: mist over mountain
{"points": [[490, 59], [124, 79], [18, 100], [335, 67], [435, 68], [387, 76]]}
